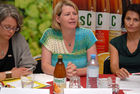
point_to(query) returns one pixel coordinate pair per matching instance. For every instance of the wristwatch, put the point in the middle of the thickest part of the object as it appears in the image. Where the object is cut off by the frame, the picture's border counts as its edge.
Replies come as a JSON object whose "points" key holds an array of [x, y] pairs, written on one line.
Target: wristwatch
{"points": [[8, 74]]}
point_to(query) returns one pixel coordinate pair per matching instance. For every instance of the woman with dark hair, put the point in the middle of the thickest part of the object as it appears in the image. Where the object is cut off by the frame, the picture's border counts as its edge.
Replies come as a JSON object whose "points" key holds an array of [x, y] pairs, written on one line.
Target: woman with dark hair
{"points": [[125, 49], [15, 57]]}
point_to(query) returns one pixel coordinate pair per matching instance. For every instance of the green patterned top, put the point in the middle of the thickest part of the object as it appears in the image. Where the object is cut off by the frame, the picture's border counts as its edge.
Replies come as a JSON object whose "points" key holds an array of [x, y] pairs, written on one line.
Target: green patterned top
{"points": [[53, 40]]}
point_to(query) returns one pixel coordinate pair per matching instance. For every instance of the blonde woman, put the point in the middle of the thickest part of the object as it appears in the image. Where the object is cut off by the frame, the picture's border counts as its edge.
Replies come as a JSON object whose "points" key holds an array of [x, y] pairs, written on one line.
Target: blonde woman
{"points": [[67, 38]]}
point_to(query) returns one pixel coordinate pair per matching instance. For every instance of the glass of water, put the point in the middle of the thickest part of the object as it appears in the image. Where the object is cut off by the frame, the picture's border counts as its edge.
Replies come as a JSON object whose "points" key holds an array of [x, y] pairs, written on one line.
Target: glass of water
{"points": [[103, 83], [114, 84], [27, 81], [75, 82]]}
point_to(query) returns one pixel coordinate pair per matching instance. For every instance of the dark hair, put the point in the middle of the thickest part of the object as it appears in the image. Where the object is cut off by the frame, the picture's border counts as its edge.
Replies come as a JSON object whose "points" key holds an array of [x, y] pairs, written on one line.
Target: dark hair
{"points": [[9, 10], [131, 7]]}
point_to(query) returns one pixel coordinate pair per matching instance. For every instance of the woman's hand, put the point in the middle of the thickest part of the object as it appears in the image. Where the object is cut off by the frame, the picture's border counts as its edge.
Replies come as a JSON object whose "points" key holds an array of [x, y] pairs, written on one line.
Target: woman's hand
{"points": [[18, 72], [71, 70], [122, 73]]}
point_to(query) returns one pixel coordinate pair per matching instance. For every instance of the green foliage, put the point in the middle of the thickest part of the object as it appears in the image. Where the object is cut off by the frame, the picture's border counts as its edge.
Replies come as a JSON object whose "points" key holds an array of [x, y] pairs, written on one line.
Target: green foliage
{"points": [[6, 1], [37, 17]]}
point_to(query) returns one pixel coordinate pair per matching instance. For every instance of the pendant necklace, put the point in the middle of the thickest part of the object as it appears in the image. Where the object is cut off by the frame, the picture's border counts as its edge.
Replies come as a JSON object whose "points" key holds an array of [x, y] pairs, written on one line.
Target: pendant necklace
{"points": [[69, 43]]}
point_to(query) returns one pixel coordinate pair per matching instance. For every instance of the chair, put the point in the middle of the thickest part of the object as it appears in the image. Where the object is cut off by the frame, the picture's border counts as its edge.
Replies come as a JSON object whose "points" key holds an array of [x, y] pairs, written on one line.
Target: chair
{"points": [[104, 63], [101, 60], [38, 66], [107, 69]]}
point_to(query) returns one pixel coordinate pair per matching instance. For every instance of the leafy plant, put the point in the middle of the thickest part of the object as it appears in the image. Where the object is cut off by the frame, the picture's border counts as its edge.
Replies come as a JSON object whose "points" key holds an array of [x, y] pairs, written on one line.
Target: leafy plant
{"points": [[37, 17]]}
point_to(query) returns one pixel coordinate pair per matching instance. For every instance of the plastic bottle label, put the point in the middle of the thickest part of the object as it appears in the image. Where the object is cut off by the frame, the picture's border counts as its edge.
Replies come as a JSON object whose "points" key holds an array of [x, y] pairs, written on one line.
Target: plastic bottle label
{"points": [[93, 71], [87, 19], [58, 85]]}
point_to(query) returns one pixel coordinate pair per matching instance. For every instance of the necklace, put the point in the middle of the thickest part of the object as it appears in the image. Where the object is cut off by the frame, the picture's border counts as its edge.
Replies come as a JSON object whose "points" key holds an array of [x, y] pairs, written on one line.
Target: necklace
{"points": [[69, 43], [2, 53]]}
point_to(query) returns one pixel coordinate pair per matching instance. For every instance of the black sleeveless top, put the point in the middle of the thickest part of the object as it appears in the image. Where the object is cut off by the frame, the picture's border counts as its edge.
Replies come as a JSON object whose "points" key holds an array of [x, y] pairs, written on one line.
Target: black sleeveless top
{"points": [[8, 62], [128, 60]]}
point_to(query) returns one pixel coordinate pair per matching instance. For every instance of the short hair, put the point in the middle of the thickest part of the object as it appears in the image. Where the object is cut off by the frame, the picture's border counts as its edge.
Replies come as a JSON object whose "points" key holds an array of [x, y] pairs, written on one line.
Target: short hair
{"points": [[58, 10], [7, 10], [131, 7]]}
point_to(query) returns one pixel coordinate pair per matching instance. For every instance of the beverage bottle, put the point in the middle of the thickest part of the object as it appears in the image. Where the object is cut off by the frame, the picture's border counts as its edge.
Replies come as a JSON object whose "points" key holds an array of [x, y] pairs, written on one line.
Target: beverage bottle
{"points": [[102, 25], [59, 82], [115, 18], [92, 73], [87, 13]]}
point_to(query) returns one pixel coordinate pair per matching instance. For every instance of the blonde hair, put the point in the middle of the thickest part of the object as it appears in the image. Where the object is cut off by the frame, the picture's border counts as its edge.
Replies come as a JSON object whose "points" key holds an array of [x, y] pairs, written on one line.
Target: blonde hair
{"points": [[58, 10]]}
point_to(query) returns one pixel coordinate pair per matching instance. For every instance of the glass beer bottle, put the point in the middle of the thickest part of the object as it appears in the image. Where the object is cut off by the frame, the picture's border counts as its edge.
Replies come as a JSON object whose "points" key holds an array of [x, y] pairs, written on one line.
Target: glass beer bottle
{"points": [[59, 82]]}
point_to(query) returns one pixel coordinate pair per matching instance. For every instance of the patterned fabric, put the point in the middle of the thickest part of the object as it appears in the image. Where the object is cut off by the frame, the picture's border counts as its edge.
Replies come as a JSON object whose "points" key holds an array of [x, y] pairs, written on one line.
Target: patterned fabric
{"points": [[53, 41]]}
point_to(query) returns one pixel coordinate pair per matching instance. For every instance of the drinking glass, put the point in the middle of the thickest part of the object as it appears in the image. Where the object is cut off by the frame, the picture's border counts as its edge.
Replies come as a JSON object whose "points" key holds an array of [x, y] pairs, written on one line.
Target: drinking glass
{"points": [[103, 83], [75, 82], [1, 85], [27, 81], [114, 84]]}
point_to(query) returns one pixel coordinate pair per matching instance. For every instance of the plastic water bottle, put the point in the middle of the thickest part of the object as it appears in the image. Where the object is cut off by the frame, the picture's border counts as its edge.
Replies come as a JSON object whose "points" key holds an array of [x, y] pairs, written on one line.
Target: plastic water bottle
{"points": [[92, 73]]}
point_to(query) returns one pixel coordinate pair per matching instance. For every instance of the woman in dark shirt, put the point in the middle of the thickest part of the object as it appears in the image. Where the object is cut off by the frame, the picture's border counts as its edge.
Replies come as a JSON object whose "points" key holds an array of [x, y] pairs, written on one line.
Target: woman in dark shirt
{"points": [[15, 57], [125, 49]]}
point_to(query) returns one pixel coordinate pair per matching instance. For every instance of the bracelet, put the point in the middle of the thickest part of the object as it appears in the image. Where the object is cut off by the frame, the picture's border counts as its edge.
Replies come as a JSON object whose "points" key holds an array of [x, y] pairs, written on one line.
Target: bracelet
{"points": [[8, 74]]}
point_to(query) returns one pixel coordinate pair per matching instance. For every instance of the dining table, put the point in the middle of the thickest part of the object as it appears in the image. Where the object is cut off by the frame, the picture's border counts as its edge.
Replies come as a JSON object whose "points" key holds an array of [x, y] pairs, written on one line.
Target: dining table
{"points": [[83, 82], [43, 81]]}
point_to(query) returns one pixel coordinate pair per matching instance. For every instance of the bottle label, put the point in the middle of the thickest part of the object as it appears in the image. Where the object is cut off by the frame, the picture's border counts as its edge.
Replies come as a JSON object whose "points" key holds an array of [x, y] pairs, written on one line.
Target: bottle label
{"points": [[87, 19], [102, 21], [92, 71], [58, 85]]}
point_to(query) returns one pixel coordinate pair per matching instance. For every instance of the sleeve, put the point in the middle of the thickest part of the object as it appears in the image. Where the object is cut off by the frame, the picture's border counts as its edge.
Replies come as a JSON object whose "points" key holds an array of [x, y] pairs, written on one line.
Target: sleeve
{"points": [[47, 39], [114, 42], [22, 52], [90, 38], [44, 37]]}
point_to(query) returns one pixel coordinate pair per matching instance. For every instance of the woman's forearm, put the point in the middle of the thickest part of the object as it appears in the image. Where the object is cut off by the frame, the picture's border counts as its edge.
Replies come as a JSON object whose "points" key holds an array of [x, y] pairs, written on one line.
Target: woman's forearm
{"points": [[48, 69]]}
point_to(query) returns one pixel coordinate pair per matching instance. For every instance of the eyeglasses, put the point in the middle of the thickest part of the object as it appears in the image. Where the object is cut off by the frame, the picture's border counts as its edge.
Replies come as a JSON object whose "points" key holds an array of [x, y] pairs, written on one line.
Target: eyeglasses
{"points": [[8, 28]]}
